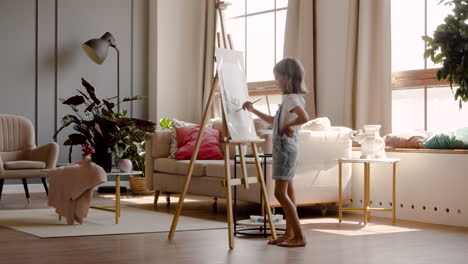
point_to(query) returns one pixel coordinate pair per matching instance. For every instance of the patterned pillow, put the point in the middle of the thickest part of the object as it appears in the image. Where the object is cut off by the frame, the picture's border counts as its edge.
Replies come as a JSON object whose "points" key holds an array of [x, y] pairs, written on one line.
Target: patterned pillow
{"points": [[175, 124]]}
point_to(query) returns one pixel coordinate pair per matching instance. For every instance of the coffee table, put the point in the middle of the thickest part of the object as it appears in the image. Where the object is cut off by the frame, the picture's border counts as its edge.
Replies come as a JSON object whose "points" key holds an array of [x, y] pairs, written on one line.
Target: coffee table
{"points": [[116, 208]]}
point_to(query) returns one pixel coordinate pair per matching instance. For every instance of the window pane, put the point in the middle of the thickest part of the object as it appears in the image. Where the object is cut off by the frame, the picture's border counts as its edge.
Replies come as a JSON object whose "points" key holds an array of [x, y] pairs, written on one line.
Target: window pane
{"points": [[260, 47], [407, 45], [407, 109], [237, 8], [236, 27], [281, 3], [254, 6], [280, 26], [435, 16], [262, 106], [443, 112]]}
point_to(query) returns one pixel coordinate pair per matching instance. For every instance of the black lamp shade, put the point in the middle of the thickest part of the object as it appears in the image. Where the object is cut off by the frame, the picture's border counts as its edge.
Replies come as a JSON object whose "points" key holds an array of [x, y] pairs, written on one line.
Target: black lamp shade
{"points": [[96, 49]]}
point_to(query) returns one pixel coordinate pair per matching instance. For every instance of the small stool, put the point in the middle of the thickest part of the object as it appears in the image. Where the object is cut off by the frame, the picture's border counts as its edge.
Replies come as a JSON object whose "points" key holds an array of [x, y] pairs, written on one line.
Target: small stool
{"points": [[367, 209]]}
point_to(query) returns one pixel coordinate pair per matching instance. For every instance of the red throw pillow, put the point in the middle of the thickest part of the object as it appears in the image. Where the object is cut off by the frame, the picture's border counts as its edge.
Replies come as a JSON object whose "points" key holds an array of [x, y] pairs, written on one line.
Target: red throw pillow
{"points": [[209, 147]]}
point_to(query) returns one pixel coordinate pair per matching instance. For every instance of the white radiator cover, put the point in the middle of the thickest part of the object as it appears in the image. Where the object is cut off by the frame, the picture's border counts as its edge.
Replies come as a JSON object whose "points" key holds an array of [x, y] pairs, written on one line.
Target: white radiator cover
{"points": [[436, 182]]}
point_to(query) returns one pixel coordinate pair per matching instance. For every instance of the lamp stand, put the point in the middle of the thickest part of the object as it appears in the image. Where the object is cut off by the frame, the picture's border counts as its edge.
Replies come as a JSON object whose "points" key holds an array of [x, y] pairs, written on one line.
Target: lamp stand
{"points": [[118, 76]]}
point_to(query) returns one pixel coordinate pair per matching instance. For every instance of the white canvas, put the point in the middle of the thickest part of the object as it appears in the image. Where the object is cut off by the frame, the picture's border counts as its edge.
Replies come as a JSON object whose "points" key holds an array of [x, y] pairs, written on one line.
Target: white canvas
{"points": [[234, 93]]}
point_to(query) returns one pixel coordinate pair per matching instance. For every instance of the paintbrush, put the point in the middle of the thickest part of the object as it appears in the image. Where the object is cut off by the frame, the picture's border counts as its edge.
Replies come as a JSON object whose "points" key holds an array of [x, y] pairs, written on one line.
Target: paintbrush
{"points": [[252, 103]]}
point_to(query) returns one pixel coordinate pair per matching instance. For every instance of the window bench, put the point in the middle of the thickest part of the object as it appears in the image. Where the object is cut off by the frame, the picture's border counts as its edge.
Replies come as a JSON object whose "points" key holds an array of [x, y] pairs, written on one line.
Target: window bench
{"points": [[432, 185]]}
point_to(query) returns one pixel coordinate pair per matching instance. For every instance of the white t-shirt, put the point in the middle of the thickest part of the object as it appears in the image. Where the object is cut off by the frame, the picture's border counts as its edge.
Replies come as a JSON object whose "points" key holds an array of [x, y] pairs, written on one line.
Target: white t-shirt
{"points": [[288, 103]]}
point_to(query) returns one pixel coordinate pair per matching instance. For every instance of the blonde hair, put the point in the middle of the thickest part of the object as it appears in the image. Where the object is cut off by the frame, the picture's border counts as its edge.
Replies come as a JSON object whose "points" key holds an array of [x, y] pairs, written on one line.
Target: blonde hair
{"points": [[294, 72]]}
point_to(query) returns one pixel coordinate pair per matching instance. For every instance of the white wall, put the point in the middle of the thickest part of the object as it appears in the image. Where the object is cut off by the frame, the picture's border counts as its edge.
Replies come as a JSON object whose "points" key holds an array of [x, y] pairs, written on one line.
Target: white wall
{"points": [[331, 40], [42, 59], [178, 58]]}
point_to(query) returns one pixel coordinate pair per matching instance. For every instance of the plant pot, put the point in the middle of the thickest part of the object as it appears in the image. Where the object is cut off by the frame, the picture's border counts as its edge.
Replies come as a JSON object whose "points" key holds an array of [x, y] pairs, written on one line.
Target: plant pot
{"points": [[103, 158], [137, 185]]}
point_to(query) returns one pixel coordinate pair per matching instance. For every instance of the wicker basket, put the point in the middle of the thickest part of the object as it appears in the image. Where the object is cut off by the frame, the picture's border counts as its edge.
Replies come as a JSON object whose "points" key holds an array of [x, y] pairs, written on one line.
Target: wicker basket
{"points": [[137, 185]]}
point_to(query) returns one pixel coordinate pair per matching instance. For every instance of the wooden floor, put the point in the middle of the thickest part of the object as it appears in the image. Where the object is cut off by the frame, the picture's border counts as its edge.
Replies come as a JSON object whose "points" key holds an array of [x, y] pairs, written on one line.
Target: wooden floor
{"points": [[329, 242]]}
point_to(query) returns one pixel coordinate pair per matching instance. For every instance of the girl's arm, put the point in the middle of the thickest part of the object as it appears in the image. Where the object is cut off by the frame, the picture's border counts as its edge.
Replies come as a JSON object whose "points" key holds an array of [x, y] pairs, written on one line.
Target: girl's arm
{"points": [[267, 118], [301, 118]]}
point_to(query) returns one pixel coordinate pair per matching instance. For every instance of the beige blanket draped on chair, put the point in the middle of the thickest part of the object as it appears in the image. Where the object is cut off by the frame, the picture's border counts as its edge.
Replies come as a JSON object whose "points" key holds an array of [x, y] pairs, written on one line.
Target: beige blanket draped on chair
{"points": [[71, 188]]}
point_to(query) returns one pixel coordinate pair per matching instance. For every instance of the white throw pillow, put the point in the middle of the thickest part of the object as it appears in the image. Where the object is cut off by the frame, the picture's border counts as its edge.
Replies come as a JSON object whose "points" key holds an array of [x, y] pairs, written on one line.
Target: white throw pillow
{"points": [[318, 124]]}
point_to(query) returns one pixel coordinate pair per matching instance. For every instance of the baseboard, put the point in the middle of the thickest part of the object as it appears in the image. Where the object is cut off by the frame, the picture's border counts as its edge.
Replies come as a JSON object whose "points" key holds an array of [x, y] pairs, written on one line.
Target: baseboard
{"points": [[39, 188]]}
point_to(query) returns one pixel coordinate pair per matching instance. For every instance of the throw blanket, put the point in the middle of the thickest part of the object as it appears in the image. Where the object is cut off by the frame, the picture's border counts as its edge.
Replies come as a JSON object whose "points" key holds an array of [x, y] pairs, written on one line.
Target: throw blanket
{"points": [[71, 188]]}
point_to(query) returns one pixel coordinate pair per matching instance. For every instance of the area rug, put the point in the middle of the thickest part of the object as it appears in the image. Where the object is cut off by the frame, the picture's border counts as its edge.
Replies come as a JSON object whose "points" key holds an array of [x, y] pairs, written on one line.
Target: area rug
{"points": [[44, 223]]}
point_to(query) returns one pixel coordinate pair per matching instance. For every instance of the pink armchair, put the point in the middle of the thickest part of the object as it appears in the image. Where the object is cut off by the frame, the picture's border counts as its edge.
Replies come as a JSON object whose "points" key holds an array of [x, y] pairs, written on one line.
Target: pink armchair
{"points": [[19, 156]]}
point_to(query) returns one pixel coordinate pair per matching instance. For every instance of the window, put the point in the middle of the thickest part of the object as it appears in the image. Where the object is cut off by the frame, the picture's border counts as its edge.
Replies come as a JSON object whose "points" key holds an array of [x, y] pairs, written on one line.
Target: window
{"points": [[257, 29], [419, 101]]}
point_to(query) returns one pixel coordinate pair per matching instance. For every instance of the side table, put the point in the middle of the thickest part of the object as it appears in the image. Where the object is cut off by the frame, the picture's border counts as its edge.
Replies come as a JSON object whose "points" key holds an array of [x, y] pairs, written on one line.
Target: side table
{"points": [[367, 209], [116, 208], [260, 227]]}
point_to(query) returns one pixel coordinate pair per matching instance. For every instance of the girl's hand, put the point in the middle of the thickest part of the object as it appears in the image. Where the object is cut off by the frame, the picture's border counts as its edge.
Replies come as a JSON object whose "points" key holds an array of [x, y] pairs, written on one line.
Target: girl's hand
{"points": [[288, 131], [248, 106]]}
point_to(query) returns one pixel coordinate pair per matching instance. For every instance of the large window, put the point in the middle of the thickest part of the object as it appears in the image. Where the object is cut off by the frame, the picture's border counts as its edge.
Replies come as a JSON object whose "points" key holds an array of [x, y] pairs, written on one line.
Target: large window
{"points": [[419, 101], [257, 29]]}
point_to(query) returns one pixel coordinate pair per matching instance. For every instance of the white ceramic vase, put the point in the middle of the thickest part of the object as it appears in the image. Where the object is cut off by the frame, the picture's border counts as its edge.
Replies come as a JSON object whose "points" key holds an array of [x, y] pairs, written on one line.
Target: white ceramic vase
{"points": [[125, 165], [372, 144]]}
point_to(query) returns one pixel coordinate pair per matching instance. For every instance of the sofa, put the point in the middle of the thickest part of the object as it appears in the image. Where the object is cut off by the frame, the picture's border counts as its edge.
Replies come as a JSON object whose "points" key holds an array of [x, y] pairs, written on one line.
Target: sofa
{"points": [[316, 180]]}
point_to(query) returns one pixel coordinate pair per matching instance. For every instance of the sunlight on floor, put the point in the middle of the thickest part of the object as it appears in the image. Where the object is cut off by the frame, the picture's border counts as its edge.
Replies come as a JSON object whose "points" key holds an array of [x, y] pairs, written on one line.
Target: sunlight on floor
{"points": [[146, 199], [353, 227]]}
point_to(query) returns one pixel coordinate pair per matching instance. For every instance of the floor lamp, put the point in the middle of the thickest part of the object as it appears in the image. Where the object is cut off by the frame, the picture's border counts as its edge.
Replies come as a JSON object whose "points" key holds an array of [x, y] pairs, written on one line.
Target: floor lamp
{"points": [[96, 49]]}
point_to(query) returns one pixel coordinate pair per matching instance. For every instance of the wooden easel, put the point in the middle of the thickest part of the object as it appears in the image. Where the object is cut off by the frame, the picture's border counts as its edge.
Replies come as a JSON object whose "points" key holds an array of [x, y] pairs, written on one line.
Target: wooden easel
{"points": [[227, 182]]}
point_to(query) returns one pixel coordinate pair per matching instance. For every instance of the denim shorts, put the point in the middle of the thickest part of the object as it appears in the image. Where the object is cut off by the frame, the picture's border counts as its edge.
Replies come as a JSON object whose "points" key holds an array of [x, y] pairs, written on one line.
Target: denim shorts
{"points": [[285, 157]]}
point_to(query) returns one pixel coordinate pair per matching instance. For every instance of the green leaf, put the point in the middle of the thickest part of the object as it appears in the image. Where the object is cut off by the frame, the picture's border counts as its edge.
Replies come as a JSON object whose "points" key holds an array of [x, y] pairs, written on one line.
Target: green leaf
{"points": [[76, 139], [74, 100], [144, 125], [66, 121], [109, 105], [165, 123], [427, 39], [133, 98], [90, 90], [428, 53]]}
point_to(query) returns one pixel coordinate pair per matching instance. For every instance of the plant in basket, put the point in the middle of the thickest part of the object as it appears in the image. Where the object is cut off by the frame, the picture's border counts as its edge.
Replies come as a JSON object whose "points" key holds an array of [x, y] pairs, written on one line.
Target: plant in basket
{"points": [[99, 130]]}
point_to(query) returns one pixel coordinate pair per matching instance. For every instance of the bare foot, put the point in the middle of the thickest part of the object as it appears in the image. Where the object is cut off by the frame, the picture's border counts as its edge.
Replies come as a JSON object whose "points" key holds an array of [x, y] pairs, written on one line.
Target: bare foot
{"points": [[293, 242], [279, 239]]}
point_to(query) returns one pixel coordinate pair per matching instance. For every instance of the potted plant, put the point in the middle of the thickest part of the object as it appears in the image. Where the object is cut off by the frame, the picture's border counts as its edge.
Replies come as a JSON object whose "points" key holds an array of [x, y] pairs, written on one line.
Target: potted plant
{"points": [[449, 46], [100, 130]]}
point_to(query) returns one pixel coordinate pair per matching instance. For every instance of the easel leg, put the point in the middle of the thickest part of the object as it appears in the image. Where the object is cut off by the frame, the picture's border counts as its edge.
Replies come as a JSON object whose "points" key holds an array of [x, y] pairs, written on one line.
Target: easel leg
{"points": [[227, 175], [263, 189], [394, 195], [340, 202], [192, 161]]}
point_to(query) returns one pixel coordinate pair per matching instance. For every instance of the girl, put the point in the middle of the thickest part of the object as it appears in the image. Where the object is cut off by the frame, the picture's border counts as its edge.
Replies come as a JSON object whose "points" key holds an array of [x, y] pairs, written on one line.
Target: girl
{"points": [[288, 75]]}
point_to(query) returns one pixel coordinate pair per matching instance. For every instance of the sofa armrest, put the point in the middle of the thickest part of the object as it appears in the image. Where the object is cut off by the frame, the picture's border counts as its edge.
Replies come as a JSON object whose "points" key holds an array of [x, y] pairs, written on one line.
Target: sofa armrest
{"points": [[47, 153], [149, 162]]}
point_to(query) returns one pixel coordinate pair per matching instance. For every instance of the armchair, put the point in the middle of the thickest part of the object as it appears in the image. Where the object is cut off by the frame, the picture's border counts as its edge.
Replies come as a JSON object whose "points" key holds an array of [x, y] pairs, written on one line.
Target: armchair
{"points": [[19, 156]]}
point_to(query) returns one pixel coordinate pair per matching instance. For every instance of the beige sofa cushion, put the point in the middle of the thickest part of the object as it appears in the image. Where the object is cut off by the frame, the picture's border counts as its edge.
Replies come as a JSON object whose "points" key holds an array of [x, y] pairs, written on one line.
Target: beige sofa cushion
{"points": [[18, 174], [24, 164], [161, 143], [173, 166]]}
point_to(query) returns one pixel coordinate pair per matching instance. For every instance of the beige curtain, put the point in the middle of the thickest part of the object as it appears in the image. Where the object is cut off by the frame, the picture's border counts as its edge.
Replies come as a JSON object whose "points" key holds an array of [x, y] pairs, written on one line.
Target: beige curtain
{"points": [[368, 63], [181, 39], [299, 44]]}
